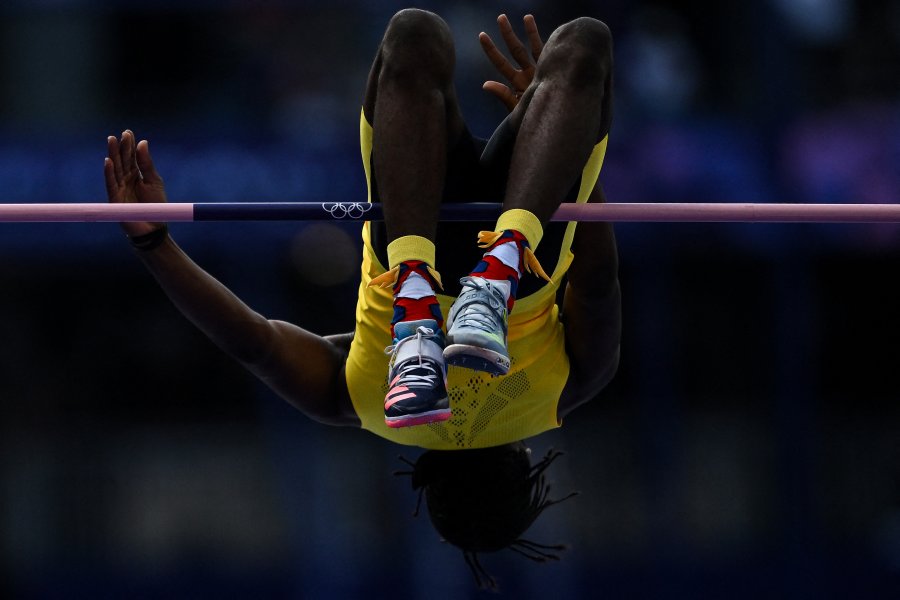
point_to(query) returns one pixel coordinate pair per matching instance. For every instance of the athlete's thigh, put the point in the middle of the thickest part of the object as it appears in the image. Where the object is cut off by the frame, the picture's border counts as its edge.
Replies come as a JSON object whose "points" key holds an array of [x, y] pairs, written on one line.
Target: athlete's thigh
{"points": [[455, 242], [592, 313], [456, 124]]}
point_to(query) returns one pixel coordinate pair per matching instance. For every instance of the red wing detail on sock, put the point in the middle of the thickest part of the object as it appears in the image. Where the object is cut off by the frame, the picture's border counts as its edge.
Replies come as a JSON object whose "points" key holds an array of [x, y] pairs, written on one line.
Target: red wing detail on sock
{"points": [[414, 309], [408, 267], [493, 268], [409, 309]]}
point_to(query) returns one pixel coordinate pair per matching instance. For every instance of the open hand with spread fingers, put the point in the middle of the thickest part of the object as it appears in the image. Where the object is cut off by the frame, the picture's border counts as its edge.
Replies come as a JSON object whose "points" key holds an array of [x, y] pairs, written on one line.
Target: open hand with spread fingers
{"points": [[519, 78]]}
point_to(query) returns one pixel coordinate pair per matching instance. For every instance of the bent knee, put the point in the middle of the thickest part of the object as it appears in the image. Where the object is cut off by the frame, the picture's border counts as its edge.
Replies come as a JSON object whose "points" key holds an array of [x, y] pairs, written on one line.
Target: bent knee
{"points": [[582, 48], [414, 23], [587, 32], [416, 37]]}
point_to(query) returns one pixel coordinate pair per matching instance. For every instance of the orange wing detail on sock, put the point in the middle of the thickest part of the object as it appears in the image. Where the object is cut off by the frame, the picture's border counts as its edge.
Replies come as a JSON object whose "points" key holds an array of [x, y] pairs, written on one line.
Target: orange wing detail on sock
{"points": [[386, 279]]}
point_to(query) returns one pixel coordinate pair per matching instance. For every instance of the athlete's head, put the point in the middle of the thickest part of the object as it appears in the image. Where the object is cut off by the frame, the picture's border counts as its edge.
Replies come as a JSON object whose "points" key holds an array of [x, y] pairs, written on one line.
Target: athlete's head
{"points": [[483, 500]]}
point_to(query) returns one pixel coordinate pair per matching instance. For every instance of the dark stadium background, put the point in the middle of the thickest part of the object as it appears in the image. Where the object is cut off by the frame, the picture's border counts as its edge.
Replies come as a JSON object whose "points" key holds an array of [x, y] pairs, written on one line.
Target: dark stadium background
{"points": [[748, 448]]}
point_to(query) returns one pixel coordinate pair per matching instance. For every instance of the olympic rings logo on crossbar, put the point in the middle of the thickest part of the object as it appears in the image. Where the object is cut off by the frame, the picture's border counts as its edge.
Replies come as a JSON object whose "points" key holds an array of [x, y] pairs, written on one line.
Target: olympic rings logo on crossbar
{"points": [[343, 210]]}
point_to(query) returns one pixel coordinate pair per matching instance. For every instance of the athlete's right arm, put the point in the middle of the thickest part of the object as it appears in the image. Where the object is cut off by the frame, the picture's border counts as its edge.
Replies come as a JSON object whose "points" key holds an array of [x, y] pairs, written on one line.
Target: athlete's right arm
{"points": [[304, 368]]}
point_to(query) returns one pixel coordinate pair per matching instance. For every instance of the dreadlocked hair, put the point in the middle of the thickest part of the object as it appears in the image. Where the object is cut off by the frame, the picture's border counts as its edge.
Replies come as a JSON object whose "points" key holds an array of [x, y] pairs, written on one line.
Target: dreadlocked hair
{"points": [[483, 500]]}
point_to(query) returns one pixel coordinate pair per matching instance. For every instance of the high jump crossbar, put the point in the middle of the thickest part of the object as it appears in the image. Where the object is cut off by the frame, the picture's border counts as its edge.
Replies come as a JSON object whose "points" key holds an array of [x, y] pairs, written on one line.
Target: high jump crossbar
{"points": [[478, 211]]}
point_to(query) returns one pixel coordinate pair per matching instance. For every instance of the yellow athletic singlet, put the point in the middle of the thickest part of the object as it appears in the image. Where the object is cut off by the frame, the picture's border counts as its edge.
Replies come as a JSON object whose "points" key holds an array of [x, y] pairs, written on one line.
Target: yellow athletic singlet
{"points": [[487, 411]]}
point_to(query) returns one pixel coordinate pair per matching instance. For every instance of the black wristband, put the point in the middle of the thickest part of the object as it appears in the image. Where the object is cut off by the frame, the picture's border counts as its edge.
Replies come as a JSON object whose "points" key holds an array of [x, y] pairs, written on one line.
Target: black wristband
{"points": [[151, 240]]}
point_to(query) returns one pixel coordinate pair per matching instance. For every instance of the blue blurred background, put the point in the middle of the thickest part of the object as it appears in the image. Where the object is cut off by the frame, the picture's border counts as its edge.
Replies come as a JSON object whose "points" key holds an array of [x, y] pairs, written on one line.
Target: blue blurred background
{"points": [[748, 448]]}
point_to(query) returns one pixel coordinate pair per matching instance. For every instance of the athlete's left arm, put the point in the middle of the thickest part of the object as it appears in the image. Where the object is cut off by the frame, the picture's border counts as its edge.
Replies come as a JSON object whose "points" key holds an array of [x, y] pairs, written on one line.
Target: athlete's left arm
{"points": [[592, 312]]}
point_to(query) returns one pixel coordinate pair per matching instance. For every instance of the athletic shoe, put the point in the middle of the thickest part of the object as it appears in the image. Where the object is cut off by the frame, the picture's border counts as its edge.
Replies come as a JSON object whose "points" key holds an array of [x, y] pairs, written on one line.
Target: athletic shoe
{"points": [[418, 376], [476, 327]]}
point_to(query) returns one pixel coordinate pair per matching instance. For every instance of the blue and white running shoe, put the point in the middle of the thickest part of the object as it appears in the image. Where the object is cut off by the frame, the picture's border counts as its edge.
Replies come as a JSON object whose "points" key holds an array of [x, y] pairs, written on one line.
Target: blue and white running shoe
{"points": [[417, 380]]}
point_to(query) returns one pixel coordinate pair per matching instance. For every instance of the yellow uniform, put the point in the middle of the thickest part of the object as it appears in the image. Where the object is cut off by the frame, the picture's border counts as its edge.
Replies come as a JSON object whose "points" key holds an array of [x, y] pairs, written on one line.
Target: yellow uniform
{"points": [[487, 411]]}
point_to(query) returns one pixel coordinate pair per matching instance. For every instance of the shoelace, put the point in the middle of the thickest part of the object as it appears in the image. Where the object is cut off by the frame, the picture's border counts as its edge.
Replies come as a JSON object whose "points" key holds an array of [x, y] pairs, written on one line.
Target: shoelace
{"points": [[406, 375], [474, 312]]}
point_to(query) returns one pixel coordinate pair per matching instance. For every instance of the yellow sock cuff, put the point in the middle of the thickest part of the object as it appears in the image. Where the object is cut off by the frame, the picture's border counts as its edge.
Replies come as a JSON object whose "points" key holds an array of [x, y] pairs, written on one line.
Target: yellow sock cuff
{"points": [[410, 247], [523, 221]]}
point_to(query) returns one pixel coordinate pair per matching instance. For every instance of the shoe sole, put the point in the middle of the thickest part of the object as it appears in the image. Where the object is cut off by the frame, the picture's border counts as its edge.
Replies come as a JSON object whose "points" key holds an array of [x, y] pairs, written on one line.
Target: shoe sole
{"points": [[435, 416], [477, 359]]}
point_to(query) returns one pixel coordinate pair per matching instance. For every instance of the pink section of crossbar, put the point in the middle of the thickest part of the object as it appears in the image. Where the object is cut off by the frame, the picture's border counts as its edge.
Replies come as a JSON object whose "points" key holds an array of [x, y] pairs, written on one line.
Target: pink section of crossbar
{"points": [[93, 212], [726, 212]]}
